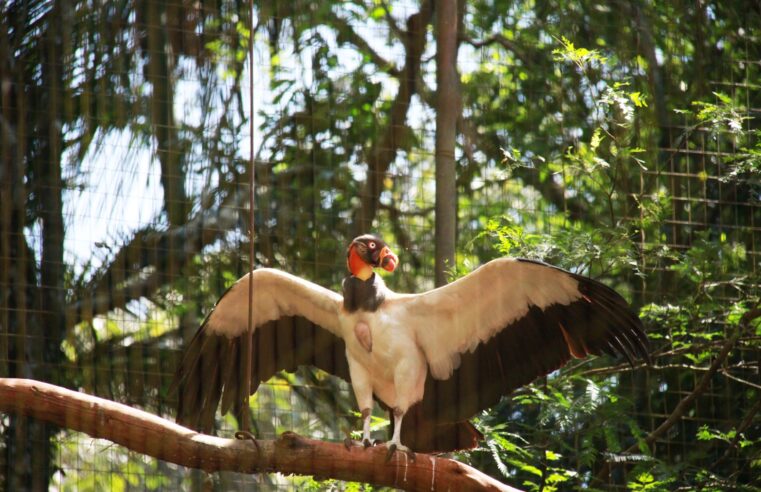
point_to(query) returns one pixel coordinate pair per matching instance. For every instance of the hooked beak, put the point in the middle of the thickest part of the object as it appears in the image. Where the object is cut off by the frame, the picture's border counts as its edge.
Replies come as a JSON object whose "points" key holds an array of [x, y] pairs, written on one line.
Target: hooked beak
{"points": [[388, 260]]}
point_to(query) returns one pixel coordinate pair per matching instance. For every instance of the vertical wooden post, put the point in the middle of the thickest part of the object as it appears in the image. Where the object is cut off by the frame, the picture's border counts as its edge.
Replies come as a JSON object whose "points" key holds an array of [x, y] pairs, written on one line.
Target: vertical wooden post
{"points": [[447, 109], [245, 424]]}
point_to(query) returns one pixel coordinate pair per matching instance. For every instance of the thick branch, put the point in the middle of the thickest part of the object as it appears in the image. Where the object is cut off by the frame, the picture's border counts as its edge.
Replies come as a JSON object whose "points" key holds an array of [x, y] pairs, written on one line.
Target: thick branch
{"points": [[290, 454], [119, 285]]}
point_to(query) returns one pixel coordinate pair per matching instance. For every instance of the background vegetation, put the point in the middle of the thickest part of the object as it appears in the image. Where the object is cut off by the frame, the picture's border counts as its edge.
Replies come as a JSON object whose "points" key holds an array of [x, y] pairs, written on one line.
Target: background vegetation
{"points": [[618, 139]]}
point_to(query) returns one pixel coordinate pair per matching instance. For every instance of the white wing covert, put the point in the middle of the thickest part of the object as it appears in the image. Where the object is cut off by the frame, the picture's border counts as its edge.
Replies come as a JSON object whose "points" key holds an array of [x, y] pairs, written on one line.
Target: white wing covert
{"points": [[525, 298]]}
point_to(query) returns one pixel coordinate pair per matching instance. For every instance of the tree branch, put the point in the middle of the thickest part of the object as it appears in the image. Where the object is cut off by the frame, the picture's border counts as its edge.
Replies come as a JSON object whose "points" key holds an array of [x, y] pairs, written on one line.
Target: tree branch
{"points": [[746, 422], [502, 41], [149, 434], [347, 34], [159, 71], [392, 25], [384, 150], [124, 280]]}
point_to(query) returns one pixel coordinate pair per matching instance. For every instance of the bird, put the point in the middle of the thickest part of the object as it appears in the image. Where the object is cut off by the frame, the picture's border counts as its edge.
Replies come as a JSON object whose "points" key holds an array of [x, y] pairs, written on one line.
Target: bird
{"points": [[433, 359]]}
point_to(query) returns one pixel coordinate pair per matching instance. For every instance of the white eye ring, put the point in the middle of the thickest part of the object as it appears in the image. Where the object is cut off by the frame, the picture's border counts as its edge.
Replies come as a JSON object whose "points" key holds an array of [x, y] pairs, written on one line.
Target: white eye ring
{"points": [[371, 244]]}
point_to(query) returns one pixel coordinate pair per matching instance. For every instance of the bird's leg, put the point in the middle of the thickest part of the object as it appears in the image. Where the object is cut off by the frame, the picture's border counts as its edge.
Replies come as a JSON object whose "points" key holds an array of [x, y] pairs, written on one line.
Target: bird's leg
{"points": [[395, 444], [366, 427], [409, 379], [363, 391], [366, 442]]}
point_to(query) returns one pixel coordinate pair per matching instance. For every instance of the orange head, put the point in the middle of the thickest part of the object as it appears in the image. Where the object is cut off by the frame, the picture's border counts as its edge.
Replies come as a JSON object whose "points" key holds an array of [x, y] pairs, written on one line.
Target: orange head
{"points": [[367, 252]]}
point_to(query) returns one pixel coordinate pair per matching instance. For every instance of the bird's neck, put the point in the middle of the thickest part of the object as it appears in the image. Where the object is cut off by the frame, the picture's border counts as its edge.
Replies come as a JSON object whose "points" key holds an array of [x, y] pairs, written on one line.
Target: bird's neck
{"points": [[363, 272], [365, 295]]}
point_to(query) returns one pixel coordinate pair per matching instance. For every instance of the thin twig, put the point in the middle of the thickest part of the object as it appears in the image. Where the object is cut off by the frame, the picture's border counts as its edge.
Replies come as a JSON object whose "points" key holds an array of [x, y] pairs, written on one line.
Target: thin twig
{"points": [[502, 41], [347, 33], [747, 421], [686, 402], [740, 380]]}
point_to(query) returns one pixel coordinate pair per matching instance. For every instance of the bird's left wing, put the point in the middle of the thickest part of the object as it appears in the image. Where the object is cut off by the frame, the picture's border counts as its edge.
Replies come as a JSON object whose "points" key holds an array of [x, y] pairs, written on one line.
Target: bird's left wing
{"points": [[295, 323], [509, 322]]}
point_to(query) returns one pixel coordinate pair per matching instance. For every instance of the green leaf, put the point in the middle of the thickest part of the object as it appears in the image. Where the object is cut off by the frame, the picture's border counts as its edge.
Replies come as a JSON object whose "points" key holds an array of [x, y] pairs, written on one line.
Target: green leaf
{"points": [[377, 13], [638, 99], [597, 138]]}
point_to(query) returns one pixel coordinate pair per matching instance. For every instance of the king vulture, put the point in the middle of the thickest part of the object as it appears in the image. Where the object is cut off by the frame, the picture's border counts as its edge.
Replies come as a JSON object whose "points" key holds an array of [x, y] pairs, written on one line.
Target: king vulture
{"points": [[434, 359]]}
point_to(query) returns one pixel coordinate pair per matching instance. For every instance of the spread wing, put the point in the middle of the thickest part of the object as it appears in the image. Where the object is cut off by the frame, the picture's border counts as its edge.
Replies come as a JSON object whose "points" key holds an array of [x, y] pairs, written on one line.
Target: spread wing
{"points": [[295, 323], [509, 322]]}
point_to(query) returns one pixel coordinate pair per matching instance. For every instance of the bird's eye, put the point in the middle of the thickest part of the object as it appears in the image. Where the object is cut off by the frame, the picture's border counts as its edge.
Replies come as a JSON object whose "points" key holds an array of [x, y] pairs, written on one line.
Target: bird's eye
{"points": [[371, 244]]}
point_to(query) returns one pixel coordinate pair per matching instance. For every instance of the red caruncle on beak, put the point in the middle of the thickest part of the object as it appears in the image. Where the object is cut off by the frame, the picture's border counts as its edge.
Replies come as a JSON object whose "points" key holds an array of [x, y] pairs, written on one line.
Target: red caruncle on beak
{"points": [[388, 260]]}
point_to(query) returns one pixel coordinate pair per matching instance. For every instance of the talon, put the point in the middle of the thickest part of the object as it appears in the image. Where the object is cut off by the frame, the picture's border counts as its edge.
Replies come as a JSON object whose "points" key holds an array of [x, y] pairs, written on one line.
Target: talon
{"points": [[243, 435], [391, 451], [394, 447]]}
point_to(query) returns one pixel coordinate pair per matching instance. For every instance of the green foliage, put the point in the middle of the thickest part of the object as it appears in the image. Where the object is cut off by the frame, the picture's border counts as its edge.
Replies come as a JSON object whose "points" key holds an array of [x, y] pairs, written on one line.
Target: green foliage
{"points": [[724, 114], [573, 148], [646, 481], [592, 412], [582, 57], [707, 434], [536, 453], [747, 162], [309, 484], [104, 466]]}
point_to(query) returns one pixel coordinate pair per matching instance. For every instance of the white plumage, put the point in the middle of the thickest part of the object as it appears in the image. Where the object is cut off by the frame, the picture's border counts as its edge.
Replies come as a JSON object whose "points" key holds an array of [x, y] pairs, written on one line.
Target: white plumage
{"points": [[506, 323], [277, 294]]}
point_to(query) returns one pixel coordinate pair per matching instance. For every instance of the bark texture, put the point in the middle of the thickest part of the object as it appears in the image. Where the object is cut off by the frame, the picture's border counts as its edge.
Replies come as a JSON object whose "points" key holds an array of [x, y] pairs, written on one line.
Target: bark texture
{"points": [[290, 454]]}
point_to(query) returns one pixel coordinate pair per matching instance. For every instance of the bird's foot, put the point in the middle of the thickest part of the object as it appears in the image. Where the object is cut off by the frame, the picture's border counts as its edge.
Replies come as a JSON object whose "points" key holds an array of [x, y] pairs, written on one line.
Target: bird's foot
{"points": [[365, 443], [393, 447]]}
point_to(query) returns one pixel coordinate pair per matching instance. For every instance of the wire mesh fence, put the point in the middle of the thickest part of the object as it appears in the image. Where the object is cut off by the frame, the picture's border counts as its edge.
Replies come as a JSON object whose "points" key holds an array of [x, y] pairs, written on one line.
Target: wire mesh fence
{"points": [[124, 207]]}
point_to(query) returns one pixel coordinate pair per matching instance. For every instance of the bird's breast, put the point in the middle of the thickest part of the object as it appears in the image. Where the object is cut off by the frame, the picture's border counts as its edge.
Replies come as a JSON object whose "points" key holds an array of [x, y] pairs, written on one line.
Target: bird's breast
{"points": [[390, 341]]}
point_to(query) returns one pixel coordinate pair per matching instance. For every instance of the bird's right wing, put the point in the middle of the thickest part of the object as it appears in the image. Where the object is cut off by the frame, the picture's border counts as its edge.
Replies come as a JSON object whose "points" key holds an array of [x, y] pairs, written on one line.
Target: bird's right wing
{"points": [[551, 315], [295, 323], [507, 323]]}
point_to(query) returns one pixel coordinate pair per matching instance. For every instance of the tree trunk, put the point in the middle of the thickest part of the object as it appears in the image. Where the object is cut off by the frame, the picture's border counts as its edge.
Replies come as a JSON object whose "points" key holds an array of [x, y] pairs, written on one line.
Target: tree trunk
{"points": [[160, 73], [447, 111], [33, 322]]}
